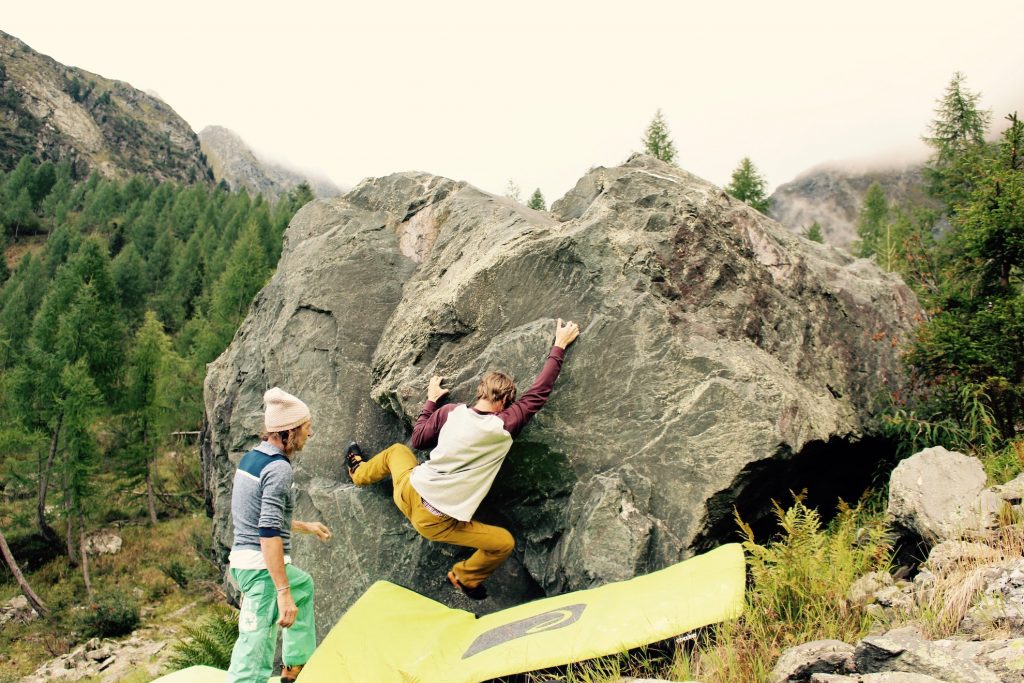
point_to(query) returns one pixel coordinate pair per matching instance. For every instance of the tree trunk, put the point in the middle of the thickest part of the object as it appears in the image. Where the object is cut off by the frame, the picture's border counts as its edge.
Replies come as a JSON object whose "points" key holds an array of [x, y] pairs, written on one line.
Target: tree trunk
{"points": [[26, 590], [70, 542], [151, 498], [150, 495], [205, 450], [84, 555], [44, 481]]}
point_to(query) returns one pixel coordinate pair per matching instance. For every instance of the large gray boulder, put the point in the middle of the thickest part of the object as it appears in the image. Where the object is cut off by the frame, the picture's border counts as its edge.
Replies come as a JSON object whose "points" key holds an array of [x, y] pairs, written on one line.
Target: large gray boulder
{"points": [[723, 362]]}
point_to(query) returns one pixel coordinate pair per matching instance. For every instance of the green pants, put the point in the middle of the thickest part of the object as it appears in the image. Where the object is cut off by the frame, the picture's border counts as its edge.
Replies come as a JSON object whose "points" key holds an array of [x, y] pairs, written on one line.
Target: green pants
{"points": [[252, 659]]}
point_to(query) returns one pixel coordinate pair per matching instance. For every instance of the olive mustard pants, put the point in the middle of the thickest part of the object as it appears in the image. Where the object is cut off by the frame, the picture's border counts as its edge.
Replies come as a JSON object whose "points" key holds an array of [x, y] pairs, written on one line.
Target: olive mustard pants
{"points": [[492, 543]]}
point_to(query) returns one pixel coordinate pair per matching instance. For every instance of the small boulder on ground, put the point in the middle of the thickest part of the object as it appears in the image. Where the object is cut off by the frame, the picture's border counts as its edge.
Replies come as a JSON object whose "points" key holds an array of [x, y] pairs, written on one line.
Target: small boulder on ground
{"points": [[948, 554], [1012, 491], [17, 609], [103, 542], [1004, 657], [798, 664], [863, 590], [940, 495]]}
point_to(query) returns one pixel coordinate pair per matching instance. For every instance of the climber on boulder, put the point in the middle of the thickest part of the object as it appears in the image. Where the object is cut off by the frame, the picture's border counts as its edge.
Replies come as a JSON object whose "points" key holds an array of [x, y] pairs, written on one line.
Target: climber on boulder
{"points": [[468, 445]]}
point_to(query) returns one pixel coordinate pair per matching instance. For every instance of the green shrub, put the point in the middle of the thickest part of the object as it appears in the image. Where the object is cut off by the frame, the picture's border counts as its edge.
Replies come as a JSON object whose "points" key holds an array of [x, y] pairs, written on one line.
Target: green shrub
{"points": [[110, 615], [177, 571], [158, 590], [207, 643], [800, 582]]}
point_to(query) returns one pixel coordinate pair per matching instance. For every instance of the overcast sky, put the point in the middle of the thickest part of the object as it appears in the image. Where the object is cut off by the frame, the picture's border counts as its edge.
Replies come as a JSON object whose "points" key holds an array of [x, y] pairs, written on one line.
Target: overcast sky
{"points": [[539, 92]]}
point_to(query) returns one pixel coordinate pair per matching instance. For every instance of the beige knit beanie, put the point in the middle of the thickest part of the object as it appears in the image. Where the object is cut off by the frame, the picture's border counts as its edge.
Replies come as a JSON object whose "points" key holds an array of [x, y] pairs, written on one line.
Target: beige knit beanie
{"points": [[284, 411]]}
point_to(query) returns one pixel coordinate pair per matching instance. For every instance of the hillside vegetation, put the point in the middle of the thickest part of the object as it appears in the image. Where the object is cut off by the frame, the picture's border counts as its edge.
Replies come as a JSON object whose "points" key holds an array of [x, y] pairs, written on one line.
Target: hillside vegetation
{"points": [[105, 331], [62, 113]]}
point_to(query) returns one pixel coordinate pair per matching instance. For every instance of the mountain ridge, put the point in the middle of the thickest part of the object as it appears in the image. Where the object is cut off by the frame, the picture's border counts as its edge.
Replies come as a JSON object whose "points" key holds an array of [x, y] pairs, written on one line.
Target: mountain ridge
{"points": [[57, 112]]}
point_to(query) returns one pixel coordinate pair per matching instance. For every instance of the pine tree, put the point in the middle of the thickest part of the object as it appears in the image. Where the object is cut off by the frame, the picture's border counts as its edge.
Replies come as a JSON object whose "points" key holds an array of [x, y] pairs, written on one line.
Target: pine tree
{"points": [[991, 224], [231, 296], [19, 300], [656, 140], [872, 221], [80, 454], [916, 254], [264, 230], [958, 137], [748, 185], [971, 346], [62, 243], [20, 178], [149, 350], [18, 215], [177, 300], [814, 233], [129, 273], [300, 196], [61, 189], [537, 201], [42, 182]]}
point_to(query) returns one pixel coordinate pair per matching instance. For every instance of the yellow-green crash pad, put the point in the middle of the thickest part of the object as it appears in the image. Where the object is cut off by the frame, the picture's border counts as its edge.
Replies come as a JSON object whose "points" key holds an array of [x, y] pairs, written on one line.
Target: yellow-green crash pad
{"points": [[394, 634], [200, 674]]}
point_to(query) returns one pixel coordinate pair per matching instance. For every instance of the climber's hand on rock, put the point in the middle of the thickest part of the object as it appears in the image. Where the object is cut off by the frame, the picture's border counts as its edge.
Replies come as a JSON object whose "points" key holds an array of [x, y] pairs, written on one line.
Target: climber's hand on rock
{"points": [[566, 333], [434, 391]]}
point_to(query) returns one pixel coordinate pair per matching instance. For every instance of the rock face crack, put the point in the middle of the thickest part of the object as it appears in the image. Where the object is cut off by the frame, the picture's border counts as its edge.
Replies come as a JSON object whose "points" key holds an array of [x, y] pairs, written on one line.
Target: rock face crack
{"points": [[314, 309]]}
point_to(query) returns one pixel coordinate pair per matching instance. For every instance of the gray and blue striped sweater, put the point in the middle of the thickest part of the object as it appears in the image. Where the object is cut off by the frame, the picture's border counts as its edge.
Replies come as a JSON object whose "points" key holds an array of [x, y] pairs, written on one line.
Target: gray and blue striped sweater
{"points": [[261, 502]]}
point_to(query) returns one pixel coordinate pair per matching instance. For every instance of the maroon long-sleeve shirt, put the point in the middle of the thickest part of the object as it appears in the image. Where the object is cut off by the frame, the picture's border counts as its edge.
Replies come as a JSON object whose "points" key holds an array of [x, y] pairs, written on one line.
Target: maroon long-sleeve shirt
{"points": [[469, 445], [428, 425]]}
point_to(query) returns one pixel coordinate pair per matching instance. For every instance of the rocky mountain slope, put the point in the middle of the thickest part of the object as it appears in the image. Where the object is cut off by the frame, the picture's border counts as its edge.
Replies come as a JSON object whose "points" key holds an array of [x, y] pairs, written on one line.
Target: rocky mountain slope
{"points": [[234, 162], [723, 362], [833, 197], [59, 112]]}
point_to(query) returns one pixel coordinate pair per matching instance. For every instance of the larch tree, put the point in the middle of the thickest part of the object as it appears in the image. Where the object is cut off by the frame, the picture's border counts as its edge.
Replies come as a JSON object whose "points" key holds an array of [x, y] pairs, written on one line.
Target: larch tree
{"points": [[748, 185], [537, 201], [657, 140], [872, 221], [814, 233], [80, 403], [145, 362], [957, 136]]}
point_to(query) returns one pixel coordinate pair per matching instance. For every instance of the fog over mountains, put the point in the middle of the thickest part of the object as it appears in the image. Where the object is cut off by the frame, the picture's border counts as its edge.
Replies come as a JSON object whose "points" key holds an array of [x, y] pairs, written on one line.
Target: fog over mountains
{"points": [[234, 162]]}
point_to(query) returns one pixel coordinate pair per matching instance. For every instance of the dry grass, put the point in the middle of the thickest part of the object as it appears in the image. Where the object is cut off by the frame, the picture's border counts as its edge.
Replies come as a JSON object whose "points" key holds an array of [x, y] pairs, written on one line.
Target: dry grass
{"points": [[959, 584], [16, 251]]}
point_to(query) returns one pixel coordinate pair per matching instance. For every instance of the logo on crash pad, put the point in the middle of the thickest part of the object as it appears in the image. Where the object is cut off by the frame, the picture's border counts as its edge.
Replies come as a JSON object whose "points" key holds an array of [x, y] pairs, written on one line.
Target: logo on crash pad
{"points": [[552, 620]]}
